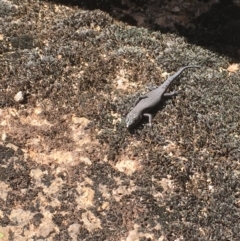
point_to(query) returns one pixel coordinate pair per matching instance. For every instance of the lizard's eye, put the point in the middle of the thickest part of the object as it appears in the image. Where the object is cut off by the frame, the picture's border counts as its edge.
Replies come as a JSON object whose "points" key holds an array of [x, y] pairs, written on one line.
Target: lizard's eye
{"points": [[132, 119], [128, 120]]}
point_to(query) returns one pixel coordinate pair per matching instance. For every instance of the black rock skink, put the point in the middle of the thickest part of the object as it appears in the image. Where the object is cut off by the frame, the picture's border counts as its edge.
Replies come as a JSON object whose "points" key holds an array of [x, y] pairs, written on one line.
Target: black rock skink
{"points": [[148, 101]]}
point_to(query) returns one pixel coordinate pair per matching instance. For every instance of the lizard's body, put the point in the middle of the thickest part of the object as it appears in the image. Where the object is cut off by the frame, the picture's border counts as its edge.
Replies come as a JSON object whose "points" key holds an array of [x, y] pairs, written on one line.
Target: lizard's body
{"points": [[151, 99]]}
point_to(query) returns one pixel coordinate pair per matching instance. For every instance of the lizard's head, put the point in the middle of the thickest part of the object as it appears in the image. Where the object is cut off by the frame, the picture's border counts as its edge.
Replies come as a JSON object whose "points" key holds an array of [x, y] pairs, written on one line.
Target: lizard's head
{"points": [[132, 119]]}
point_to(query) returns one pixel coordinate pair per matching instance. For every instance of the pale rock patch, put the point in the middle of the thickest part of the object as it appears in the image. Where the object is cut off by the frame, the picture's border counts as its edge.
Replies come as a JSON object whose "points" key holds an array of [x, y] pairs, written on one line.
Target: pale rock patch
{"points": [[90, 221]]}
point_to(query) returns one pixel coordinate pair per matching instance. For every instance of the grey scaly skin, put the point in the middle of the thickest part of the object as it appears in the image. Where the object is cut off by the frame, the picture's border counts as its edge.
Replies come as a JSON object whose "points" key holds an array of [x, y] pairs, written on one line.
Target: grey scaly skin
{"points": [[148, 101]]}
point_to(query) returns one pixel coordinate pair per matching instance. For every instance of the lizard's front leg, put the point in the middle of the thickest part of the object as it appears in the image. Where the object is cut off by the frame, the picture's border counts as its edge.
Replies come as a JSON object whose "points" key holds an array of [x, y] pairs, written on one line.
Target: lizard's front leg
{"points": [[149, 118], [138, 99]]}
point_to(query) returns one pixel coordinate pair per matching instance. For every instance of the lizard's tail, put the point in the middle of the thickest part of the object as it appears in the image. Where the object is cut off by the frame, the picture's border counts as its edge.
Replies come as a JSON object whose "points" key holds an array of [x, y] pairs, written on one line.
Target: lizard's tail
{"points": [[173, 77]]}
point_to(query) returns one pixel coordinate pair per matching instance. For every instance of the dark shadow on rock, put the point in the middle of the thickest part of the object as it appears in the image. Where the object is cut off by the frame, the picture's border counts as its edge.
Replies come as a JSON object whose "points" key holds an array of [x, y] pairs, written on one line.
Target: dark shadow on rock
{"points": [[218, 29]]}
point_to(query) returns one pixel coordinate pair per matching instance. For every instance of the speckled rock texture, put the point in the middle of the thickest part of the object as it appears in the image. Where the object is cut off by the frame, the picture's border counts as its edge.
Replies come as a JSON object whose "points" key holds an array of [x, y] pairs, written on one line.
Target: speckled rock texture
{"points": [[69, 74]]}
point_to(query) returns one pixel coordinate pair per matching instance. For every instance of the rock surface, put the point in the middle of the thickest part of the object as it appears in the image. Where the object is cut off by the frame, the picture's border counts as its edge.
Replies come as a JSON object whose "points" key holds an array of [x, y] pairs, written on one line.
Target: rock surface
{"points": [[69, 169]]}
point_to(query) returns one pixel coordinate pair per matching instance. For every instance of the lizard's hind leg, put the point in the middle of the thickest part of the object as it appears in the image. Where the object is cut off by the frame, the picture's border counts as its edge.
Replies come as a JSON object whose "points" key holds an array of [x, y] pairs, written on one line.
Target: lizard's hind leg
{"points": [[171, 93]]}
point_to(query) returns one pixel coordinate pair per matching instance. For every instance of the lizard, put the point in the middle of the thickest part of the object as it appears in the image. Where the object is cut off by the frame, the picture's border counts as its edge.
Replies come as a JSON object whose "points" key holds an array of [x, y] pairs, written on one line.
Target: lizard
{"points": [[145, 103]]}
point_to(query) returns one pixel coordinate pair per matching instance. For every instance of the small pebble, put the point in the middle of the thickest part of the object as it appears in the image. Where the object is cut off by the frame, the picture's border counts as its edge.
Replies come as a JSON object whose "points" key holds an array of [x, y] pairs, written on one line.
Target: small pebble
{"points": [[19, 96], [176, 9]]}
